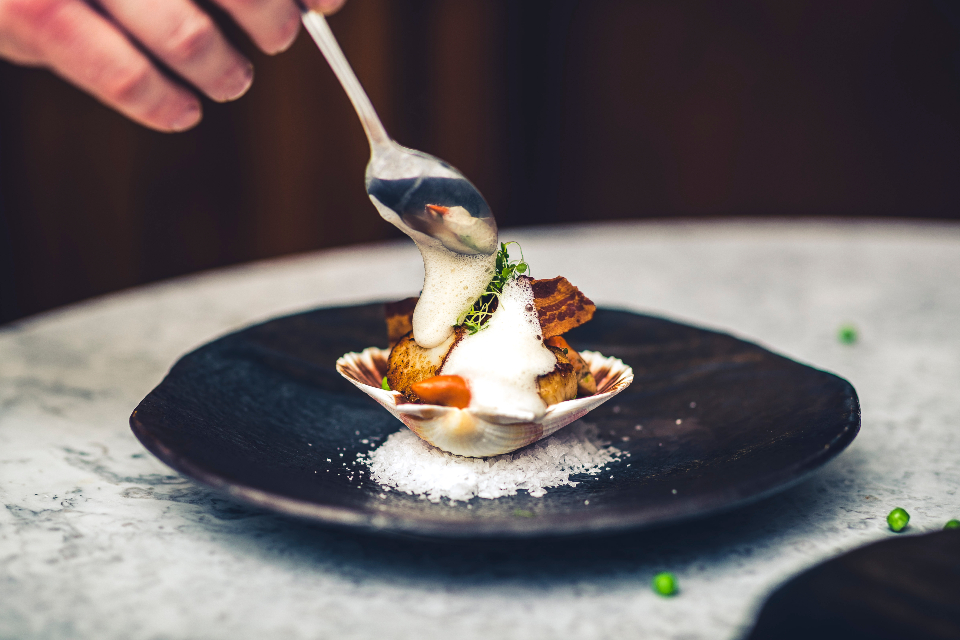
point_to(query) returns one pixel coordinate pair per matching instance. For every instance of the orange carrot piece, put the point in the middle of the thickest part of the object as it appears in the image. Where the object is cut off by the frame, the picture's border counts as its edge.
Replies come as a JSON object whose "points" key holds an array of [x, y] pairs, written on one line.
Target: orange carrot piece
{"points": [[447, 391]]}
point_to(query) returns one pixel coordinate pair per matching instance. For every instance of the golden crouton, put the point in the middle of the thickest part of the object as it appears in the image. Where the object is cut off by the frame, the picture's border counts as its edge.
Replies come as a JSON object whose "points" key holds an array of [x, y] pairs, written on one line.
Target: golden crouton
{"points": [[561, 383], [399, 317], [410, 363], [560, 305], [586, 384]]}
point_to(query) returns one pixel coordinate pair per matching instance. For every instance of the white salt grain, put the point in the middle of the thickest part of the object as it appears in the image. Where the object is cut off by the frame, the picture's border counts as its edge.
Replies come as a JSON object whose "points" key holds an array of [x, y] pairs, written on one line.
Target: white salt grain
{"points": [[407, 463]]}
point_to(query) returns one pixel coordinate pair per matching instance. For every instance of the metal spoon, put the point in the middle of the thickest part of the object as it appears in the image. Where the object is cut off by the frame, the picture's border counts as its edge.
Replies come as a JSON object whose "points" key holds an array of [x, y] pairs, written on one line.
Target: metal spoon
{"points": [[416, 192]]}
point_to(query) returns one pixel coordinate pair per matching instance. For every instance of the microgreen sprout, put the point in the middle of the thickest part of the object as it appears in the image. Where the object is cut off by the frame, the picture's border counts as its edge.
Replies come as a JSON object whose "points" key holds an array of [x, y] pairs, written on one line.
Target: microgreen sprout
{"points": [[665, 583], [385, 384], [952, 524], [506, 270], [898, 519]]}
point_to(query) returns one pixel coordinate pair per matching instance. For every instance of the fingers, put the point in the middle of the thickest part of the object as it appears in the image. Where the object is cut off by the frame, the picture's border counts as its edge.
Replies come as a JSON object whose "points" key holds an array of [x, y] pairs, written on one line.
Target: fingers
{"points": [[90, 51], [87, 50], [188, 41], [271, 24]]}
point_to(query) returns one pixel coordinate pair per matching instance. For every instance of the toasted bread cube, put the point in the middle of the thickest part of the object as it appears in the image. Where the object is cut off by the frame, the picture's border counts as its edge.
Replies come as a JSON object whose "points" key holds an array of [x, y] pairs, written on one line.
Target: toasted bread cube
{"points": [[561, 383], [410, 363]]}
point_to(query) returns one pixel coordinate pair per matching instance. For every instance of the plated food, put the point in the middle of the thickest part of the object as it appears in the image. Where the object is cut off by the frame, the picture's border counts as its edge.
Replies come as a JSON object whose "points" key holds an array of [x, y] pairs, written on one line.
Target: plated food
{"points": [[262, 415], [498, 377]]}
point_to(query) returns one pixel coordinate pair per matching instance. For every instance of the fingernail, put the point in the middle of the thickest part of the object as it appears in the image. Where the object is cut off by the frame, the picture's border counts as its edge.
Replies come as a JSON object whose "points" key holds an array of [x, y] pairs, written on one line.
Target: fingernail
{"points": [[240, 82], [189, 118], [293, 26], [326, 7]]}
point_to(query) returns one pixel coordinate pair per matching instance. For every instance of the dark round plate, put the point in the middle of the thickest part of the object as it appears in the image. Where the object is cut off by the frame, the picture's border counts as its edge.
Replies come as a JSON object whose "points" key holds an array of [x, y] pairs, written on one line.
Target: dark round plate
{"points": [[263, 415]]}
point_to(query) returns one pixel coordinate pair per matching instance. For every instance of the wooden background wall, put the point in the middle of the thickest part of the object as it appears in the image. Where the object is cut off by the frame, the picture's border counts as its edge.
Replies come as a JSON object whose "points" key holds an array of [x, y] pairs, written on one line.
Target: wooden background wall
{"points": [[558, 110]]}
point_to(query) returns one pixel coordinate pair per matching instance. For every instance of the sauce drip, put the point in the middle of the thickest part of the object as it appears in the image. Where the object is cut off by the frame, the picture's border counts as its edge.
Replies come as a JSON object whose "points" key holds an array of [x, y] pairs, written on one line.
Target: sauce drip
{"points": [[451, 284], [452, 281]]}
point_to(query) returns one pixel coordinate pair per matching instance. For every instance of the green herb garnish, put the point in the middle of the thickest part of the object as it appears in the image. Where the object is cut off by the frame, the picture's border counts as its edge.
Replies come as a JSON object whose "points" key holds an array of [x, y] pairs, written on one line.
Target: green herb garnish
{"points": [[385, 385], [898, 519], [952, 524], [476, 316], [665, 583], [847, 334]]}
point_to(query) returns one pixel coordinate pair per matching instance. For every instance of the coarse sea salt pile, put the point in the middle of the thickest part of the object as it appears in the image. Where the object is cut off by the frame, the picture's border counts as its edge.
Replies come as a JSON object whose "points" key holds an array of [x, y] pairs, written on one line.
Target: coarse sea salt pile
{"points": [[406, 463]]}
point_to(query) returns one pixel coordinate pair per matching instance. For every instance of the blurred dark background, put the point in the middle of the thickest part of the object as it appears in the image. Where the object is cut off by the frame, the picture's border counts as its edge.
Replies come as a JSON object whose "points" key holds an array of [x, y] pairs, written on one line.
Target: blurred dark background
{"points": [[558, 110]]}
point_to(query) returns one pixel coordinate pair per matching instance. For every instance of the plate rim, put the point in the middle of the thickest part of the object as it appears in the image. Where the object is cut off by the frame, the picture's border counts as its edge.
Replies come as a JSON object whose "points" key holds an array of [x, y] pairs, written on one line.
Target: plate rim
{"points": [[605, 521], [609, 522]]}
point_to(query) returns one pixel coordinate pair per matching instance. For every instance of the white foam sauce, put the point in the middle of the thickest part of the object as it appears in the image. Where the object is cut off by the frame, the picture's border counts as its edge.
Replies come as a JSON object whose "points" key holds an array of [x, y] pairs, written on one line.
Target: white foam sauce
{"points": [[501, 363], [451, 284], [435, 354]]}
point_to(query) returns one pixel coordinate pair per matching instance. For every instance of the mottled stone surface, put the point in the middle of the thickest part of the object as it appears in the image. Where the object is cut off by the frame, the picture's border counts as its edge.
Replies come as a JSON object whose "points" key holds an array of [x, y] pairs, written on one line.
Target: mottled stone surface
{"points": [[99, 540]]}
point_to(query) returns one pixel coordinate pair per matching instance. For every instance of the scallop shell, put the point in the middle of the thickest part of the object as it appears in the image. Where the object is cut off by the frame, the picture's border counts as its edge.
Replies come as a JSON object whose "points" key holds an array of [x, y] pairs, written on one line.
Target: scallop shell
{"points": [[472, 434]]}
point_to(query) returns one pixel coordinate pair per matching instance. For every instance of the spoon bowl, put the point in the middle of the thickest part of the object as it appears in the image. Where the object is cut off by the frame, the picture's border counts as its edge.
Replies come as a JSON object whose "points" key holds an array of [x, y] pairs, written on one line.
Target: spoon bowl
{"points": [[423, 196]]}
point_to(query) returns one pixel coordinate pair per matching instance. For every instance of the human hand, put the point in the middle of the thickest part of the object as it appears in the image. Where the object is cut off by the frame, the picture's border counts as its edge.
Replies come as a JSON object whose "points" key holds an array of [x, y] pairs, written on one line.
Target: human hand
{"points": [[100, 50]]}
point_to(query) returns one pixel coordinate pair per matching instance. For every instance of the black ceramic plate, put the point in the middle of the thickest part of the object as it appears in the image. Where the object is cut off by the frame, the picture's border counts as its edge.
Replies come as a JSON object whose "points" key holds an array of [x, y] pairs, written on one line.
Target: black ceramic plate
{"points": [[258, 413], [904, 587]]}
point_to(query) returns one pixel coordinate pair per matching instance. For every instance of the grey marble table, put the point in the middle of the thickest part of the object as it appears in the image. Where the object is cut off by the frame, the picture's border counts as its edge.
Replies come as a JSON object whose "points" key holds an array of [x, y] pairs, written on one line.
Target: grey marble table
{"points": [[100, 540]]}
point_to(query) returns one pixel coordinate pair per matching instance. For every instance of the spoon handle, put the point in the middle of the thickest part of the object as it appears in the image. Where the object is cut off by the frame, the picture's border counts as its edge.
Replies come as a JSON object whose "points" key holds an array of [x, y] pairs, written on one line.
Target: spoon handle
{"points": [[320, 31]]}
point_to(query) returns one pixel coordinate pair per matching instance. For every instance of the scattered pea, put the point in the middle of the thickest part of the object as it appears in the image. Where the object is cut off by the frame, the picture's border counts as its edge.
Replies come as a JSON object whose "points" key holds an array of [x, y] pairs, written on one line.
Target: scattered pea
{"points": [[384, 384], [847, 334], [952, 524], [898, 519], [665, 583]]}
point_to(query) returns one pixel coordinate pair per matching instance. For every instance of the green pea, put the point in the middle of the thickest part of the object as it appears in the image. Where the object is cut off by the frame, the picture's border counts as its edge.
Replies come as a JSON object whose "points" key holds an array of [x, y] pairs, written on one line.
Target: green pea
{"points": [[898, 519], [665, 583], [847, 334], [952, 524], [384, 384]]}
